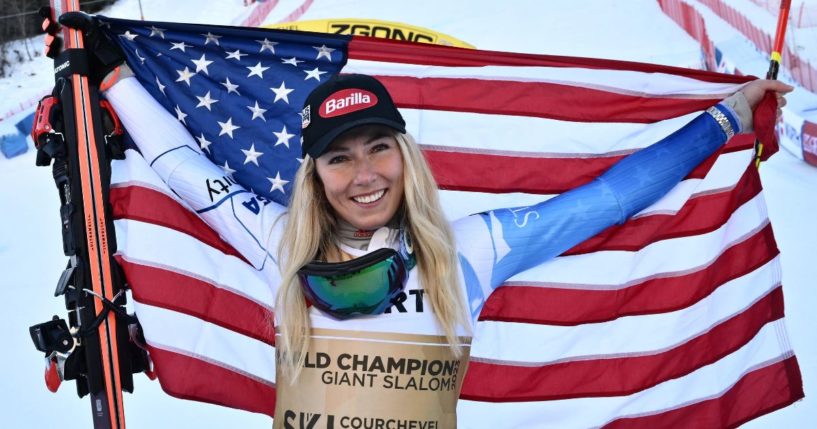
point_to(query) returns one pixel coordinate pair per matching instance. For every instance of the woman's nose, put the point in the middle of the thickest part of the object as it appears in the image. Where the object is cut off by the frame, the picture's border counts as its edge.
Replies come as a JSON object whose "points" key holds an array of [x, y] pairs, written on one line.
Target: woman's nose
{"points": [[364, 172]]}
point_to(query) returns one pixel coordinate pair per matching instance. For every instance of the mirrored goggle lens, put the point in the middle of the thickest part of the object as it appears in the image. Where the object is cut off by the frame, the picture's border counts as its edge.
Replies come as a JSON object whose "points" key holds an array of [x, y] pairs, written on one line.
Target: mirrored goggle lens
{"points": [[367, 290]]}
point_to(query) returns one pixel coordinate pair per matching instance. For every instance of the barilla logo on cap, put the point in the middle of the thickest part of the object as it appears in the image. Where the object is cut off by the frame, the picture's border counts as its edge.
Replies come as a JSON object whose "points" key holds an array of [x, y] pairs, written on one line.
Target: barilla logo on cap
{"points": [[347, 101], [306, 117]]}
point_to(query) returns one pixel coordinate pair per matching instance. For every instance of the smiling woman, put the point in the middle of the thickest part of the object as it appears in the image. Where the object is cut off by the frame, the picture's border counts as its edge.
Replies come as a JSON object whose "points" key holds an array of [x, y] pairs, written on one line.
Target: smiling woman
{"points": [[370, 187]]}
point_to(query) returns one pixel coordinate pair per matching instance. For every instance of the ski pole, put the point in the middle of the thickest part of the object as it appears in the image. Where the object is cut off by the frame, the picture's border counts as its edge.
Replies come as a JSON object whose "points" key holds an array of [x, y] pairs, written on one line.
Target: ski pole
{"points": [[776, 57]]}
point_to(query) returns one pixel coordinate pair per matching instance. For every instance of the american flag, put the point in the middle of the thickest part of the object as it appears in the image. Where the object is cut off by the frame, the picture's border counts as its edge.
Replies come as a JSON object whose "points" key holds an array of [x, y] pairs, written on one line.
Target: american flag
{"points": [[673, 317]]}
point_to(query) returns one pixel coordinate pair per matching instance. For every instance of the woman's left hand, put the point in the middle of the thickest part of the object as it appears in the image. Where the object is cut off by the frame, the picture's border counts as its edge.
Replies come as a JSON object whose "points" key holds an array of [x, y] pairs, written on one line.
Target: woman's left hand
{"points": [[755, 91]]}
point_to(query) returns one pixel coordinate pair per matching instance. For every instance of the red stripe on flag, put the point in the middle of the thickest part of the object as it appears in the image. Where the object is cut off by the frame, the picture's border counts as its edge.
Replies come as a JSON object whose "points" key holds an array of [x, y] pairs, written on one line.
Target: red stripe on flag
{"points": [[565, 102], [191, 378], [466, 170], [178, 292], [151, 206], [759, 392], [522, 303], [700, 215], [383, 50], [618, 376]]}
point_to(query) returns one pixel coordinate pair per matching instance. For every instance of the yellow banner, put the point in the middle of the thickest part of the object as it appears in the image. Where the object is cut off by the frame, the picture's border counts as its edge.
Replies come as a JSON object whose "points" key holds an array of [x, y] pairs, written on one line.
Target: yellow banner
{"points": [[373, 28]]}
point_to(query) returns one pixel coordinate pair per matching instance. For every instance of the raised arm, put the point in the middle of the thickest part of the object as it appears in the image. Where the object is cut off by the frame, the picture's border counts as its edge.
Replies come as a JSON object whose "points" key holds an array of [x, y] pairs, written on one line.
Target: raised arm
{"points": [[524, 237], [242, 218]]}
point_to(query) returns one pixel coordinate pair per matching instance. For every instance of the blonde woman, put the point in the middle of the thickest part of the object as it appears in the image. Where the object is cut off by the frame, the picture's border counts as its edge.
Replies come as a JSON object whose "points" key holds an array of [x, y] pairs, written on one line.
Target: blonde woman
{"points": [[376, 293]]}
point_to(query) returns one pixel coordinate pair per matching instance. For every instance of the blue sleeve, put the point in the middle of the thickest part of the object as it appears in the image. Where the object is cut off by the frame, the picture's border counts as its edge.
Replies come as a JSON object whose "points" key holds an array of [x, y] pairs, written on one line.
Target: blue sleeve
{"points": [[524, 237]]}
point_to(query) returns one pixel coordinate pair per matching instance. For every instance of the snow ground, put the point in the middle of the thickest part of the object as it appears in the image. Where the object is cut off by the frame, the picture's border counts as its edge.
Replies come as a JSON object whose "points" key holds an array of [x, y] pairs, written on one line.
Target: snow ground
{"points": [[30, 249]]}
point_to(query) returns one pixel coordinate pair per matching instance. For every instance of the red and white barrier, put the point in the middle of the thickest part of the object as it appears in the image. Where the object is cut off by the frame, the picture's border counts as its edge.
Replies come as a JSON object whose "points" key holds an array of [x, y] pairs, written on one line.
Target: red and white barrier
{"points": [[801, 70], [693, 23], [298, 12], [809, 141], [259, 14], [797, 135], [27, 104], [804, 16], [263, 9]]}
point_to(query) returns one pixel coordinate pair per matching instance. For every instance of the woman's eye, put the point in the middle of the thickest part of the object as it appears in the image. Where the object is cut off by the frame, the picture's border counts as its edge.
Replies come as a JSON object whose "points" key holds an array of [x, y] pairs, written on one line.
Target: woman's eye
{"points": [[379, 147], [337, 159]]}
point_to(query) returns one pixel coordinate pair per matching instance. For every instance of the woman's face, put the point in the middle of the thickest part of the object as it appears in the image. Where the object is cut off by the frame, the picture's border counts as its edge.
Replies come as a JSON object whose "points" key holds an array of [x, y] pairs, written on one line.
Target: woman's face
{"points": [[362, 175]]}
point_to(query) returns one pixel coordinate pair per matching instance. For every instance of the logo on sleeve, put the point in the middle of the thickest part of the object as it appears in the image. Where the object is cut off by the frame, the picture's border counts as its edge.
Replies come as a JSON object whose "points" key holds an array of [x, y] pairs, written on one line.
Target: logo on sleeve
{"points": [[347, 101], [306, 117]]}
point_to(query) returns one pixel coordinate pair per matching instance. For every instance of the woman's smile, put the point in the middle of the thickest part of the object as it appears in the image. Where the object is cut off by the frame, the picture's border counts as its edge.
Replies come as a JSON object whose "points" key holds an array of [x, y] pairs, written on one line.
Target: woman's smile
{"points": [[370, 199]]}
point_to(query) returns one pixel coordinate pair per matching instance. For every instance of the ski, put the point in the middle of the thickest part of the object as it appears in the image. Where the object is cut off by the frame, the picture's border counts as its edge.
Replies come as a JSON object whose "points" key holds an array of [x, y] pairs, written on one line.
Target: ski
{"points": [[80, 133]]}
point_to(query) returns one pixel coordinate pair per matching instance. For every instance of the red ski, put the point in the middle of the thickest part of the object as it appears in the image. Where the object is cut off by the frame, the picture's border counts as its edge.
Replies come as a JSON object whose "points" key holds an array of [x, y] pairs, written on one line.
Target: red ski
{"points": [[80, 133]]}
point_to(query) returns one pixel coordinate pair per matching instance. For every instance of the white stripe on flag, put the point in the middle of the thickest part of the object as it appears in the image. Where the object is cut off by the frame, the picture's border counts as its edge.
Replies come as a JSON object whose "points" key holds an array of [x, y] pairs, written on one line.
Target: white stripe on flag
{"points": [[199, 339], [615, 81], [534, 137], [183, 254]]}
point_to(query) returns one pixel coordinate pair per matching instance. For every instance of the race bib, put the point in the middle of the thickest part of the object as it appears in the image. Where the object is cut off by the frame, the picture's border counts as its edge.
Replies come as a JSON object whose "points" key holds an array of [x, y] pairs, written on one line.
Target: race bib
{"points": [[356, 380]]}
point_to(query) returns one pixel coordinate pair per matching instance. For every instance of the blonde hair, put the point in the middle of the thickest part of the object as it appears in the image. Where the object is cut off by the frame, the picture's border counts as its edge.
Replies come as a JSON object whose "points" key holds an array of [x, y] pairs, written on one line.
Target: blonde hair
{"points": [[310, 232]]}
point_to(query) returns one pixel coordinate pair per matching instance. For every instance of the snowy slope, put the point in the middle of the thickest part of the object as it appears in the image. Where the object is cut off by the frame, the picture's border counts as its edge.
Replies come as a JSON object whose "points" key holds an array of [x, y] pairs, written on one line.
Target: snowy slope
{"points": [[30, 250]]}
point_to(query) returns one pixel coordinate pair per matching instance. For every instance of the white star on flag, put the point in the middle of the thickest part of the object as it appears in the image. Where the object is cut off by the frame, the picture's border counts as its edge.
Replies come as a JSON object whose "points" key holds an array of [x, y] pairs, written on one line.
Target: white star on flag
{"points": [[155, 30], [210, 37], [201, 64], [185, 75], [282, 93], [180, 115], [231, 87], [204, 143], [226, 167], [316, 73], [227, 127], [206, 101], [141, 59], [236, 55], [324, 51], [283, 137], [294, 61], [251, 155], [257, 112], [257, 70], [161, 87], [267, 44], [130, 36], [180, 46], [277, 183]]}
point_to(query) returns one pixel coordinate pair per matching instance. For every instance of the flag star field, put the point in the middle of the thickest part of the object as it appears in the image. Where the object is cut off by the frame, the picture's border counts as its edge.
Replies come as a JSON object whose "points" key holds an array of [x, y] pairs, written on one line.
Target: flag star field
{"points": [[239, 96]]}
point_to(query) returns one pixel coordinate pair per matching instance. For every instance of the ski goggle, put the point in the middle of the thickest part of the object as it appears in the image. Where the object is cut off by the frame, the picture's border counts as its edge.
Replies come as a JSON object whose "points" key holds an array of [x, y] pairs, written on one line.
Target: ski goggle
{"points": [[361, 286]]}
